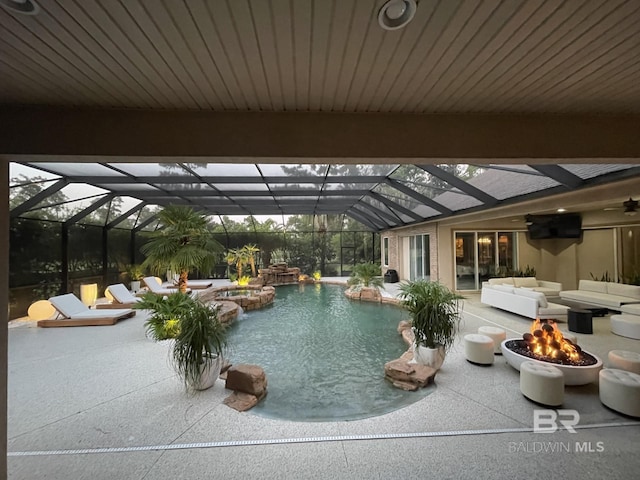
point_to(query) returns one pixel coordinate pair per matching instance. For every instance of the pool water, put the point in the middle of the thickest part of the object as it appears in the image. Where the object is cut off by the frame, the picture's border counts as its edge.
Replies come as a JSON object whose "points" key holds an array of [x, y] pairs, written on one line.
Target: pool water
{"points": [[323, 355]]}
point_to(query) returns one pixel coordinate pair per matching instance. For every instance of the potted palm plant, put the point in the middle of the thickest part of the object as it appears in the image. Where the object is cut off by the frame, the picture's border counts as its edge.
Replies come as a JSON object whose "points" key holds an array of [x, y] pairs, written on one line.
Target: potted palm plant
{"points": [[365, 282], [366, 275], [435, 317], [199, 346], [135, 273], [163, 322], [185, 243]]}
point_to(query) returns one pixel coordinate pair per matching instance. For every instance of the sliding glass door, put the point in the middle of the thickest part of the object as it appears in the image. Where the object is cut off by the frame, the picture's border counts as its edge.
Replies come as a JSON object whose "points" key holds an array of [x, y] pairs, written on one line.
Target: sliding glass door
{"points": [[419, 262], [482, 255]]}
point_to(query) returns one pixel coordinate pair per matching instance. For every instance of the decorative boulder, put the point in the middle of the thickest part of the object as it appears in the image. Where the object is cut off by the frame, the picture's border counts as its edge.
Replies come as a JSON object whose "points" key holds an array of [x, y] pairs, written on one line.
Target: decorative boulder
{"points": [[405, 374], [241, 401], [249, 379]]}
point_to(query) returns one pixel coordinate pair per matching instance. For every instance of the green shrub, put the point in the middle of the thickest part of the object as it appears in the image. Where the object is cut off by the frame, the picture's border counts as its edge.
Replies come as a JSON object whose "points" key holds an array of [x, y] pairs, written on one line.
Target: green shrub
{"points": [[164, 321]]}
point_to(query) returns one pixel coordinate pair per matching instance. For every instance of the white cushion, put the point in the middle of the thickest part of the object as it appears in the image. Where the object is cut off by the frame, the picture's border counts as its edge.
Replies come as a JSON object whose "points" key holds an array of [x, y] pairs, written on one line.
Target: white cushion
{"points": [[503, 288], [121, 294], [623, 290], [501, 281], [593, 286], [525, 282], [69, 305], [525, 292], [631, 308]]}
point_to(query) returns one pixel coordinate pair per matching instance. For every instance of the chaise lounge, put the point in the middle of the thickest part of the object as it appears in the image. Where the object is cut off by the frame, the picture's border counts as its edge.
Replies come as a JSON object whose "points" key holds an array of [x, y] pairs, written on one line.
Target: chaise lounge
{"points": [[77, 314], [157, 288], [122, 298]]}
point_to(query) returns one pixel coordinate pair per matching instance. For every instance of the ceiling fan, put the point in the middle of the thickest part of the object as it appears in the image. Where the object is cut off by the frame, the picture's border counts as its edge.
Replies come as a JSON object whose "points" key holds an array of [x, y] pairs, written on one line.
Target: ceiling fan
{"points": [[630, 206]]}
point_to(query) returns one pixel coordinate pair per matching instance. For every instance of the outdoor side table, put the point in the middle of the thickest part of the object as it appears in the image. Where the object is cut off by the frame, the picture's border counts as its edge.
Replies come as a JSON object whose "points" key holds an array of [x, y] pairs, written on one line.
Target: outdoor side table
{"points": [[580, 321]]}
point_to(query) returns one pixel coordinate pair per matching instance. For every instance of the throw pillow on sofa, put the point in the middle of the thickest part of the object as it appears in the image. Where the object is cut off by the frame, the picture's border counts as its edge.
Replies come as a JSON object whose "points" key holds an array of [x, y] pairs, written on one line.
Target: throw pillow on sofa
{"points": [[525, 281], [503, 288]]}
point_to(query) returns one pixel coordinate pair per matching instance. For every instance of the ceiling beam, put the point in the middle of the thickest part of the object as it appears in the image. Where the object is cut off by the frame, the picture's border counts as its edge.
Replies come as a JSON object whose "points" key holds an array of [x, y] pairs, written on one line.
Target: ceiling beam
{"points": [[125, 215], [395, 206], [90, 209], [394, 219], [187, 179], [36, 199], [560, 175], [241, 193], [460, 184], [362, 220], [289, 137], [418, 196], [380, 224]]}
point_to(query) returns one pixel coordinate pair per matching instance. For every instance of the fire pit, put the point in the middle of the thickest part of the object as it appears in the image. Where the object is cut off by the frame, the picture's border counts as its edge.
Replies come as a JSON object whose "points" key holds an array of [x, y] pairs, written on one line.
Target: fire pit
{"points": [[546, 344]]}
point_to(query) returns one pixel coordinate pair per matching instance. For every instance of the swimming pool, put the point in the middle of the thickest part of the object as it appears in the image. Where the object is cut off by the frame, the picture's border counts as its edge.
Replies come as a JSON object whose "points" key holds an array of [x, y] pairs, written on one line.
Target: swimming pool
{"points": [[323, 354]]}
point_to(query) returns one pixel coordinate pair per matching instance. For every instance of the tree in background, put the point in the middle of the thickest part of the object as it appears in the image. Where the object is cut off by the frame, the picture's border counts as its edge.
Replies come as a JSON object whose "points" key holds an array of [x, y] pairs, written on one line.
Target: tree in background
{"points": [[184, 243]]}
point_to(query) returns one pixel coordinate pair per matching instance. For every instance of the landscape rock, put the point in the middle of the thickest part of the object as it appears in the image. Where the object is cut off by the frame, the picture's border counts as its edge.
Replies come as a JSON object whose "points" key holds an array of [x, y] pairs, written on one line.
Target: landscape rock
{"points": [[241, 401], [401, 372], [403, 325], [246, 378]]}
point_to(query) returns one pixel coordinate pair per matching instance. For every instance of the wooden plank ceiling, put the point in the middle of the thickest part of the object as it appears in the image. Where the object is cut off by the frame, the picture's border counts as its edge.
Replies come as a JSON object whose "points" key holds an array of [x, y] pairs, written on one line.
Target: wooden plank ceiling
{"points": [[456, 56]]}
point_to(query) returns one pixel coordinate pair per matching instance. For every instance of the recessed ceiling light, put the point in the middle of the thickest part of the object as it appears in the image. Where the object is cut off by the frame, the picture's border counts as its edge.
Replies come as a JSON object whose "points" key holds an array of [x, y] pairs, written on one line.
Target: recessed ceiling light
{"points": [[25, 7], [561, 210], [395, 14]]}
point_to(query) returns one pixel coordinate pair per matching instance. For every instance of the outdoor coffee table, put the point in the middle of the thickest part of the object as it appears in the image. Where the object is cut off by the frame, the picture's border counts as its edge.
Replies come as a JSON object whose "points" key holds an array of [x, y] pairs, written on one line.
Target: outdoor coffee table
{"points": [[580, 320]]}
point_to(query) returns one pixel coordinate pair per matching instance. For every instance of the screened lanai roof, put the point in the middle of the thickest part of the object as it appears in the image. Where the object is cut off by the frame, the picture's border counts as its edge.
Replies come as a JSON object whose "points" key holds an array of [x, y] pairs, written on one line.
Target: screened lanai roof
{"points": [[378, 196]]}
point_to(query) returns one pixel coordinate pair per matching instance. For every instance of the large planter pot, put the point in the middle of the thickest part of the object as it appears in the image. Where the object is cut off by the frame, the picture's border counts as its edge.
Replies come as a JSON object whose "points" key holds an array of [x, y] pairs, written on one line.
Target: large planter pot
{"points": [[209, 374], [135, 286], [431, 357]]}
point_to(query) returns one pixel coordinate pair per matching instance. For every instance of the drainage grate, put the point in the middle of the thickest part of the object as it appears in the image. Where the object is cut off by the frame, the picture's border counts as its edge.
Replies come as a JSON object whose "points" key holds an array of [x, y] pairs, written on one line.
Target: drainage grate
{"points": [[281, 441]]}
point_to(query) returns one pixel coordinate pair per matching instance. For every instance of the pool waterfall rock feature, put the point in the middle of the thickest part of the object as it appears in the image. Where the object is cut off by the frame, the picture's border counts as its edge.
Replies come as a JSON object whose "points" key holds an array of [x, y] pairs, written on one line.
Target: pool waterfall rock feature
{"points": [[403, 372], [249, 298], [368, 294]]}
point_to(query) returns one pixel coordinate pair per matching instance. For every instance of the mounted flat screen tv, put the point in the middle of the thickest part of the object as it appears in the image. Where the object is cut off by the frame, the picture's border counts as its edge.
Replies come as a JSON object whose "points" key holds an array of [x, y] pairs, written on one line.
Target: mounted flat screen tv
{"points": [[568, 225]]}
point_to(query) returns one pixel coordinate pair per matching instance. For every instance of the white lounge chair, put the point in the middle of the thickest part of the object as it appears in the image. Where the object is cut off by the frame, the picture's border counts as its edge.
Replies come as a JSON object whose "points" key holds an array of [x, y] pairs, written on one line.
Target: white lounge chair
{"points": [[122, 297], [199, 284], [76, 314], [157, 288]]}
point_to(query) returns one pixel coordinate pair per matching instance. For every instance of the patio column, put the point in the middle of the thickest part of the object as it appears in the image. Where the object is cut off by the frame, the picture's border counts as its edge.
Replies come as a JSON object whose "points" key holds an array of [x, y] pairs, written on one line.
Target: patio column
{"points": [[4, 305]]}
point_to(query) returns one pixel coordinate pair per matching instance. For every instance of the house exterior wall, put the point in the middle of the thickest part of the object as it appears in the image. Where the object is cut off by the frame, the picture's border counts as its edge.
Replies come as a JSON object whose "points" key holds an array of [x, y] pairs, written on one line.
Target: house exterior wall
{"points": [[396, 253], [561, 260]]}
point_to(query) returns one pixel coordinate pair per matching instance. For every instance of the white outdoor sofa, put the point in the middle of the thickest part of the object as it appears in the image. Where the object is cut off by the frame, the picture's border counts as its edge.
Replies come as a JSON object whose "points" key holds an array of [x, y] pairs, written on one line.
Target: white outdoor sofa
{"points": [[550, 289], [522, 301], [603, 294]]}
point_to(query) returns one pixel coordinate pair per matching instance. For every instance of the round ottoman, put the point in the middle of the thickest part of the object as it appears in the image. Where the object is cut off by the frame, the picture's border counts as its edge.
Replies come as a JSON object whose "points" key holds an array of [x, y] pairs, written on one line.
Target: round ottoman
{"points": [[478, 348], [626, 325], [543, 384], [624, 360], [496, 334], [620, 391]]}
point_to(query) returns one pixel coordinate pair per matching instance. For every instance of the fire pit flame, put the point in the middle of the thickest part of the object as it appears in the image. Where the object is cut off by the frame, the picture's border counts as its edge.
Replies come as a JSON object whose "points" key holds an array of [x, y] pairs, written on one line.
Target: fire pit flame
{"points": [[546, 342]]}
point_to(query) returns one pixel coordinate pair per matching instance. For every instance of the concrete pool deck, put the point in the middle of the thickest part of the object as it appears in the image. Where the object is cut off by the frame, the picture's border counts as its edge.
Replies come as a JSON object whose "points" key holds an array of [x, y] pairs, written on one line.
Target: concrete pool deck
{"points": [[102, 402]]}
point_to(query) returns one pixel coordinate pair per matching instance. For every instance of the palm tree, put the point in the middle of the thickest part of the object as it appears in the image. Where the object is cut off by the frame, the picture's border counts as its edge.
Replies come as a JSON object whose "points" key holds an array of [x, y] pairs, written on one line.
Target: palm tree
{"points": [[182, 245], [239, 257], [366, 275], [251, 251]]}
